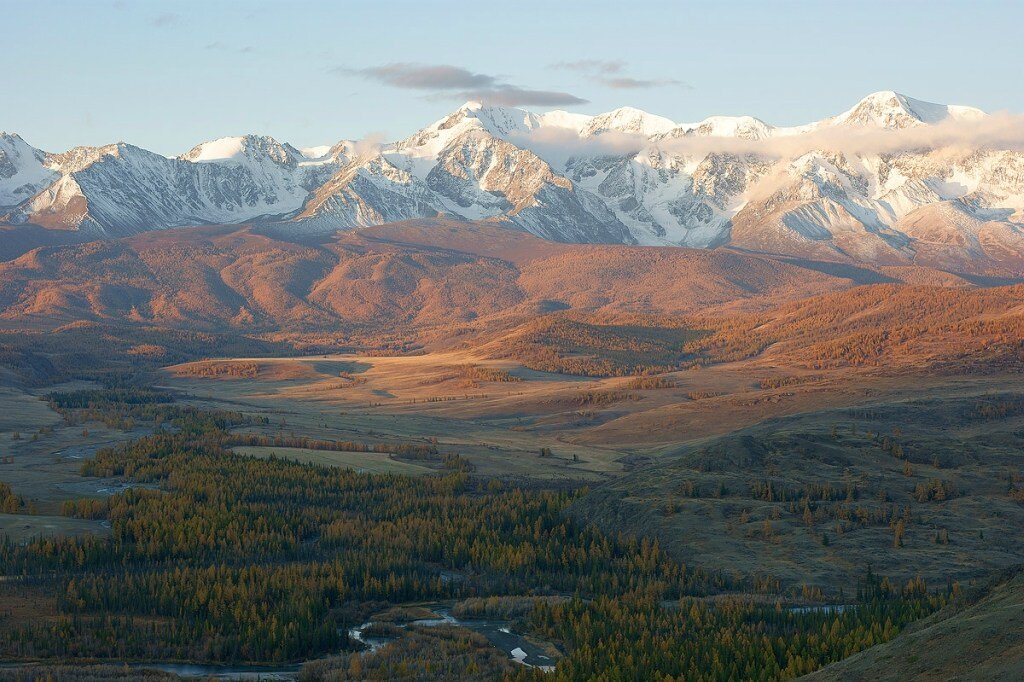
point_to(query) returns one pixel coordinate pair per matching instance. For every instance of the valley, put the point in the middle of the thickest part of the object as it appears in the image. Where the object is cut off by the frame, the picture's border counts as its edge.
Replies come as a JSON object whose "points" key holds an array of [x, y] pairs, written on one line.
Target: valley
{"points": [[347, 526], [752, 448], [541, 342], [683, 441], [425, 396], [734, 429]]}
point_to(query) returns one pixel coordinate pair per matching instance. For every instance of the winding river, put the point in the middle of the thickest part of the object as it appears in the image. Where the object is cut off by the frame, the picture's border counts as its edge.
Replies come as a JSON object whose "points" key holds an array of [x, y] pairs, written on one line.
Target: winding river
{"points": [[497, 632]]}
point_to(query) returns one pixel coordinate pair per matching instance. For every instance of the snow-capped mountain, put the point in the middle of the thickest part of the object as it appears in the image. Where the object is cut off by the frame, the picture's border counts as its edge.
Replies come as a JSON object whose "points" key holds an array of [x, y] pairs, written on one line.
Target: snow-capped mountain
{"points": [[843, 187], [121, 189], [893, 110], [627, 120], [23, 170]]}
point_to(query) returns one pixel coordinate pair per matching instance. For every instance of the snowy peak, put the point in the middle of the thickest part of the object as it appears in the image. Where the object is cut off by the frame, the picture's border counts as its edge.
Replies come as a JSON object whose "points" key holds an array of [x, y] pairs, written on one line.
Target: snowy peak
{"points": [[742, 127], [242, 149], [78, 159], [120, 189], [891, 110], [506, 121], [13, 140], [315, 153], [628, 120], [564, 119], [23, 170], [739, 127], [572, 177], [499, 121]]}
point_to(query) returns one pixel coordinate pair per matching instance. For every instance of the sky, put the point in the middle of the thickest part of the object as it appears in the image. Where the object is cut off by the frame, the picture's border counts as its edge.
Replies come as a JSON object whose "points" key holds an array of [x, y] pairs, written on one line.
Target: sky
{"points": [[167, 75]]}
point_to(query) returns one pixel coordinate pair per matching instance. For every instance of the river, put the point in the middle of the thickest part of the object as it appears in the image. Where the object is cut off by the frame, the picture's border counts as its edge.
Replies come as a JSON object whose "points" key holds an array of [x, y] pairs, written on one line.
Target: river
{"points": [[497, 632]]}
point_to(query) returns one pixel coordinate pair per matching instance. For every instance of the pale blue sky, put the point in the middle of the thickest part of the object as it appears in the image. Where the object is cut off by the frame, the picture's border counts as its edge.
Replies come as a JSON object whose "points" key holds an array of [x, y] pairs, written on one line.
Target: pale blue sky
{"points": [[166, 75]]}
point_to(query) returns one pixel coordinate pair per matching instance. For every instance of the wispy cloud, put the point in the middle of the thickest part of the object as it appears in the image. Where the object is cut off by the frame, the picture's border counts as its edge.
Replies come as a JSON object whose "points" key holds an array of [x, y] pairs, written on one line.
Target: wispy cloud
{"points": [[422, 76], [626, 83], [445, 81], [592, 66], [556, 145], [219, 46], [368, 147], [514, 96], [610, 74], [164, 20]]}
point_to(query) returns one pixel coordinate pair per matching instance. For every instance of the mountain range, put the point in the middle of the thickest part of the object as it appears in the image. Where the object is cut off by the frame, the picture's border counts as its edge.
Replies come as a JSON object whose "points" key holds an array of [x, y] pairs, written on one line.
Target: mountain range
{"points": [[891, 181]]}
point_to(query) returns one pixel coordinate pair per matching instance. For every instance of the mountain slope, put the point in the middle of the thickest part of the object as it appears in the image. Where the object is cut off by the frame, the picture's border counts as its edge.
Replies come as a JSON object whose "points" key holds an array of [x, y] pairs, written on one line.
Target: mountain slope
{"points": [[121, 189], [888, 109], [981, 641], [23, 170], [417, 276]]}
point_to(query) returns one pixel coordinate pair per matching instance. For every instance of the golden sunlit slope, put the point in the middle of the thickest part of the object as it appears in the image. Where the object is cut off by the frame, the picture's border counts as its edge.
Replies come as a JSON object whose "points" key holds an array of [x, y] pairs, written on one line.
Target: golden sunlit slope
{"points": [[877, 326], [413, 276]]}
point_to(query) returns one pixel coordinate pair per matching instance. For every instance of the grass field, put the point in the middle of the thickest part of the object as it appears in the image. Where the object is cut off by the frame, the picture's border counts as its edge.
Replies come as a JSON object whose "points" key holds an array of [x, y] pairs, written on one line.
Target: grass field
{"points": [[23, 527], [416, 400], [596, 428], [23, 413], [43, 464], [367, 462]]}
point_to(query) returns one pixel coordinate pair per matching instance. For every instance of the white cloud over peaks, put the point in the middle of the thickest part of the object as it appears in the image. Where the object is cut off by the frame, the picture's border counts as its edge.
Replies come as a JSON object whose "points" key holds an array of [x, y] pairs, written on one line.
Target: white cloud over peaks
{"points": [[996, 131]]}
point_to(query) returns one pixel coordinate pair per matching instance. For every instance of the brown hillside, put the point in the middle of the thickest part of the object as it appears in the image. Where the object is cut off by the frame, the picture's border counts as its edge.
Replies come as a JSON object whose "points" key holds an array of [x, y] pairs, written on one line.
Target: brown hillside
{"points": [[418, 275], [883, 325]]}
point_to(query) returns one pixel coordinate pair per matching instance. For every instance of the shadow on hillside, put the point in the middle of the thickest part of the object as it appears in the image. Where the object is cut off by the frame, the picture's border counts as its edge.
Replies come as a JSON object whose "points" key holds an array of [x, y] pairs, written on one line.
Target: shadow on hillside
{"points": [[852, 272], [984, 281]]}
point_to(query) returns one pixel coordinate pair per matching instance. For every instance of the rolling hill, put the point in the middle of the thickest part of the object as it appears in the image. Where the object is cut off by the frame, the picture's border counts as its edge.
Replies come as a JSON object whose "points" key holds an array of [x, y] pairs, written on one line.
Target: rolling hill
{"points": [[414, 276]]}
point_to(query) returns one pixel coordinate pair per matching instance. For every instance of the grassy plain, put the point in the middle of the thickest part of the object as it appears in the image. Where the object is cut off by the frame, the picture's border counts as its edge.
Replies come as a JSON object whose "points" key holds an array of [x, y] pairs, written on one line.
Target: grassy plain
{"points": [[40, 459], [23, 527], [735, 425], [632, 439], [363, 462]]}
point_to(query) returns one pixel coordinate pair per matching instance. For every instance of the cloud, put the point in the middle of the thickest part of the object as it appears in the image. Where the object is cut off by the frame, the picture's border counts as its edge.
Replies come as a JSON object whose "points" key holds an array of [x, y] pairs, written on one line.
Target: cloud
{"points": [[1001, 131], [592, 66], [219, 46], [626, 83], [368, 147], [557, 145], [422, 76], [513, 96], [609, 74], [445, 81], [955, 138], [164, 20]]}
